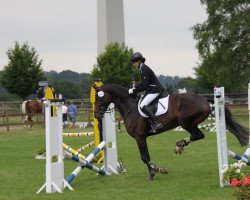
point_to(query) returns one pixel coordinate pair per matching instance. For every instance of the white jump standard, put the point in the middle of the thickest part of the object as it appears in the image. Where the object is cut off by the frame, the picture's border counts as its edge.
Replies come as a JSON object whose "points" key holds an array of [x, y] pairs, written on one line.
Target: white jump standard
{"points": [[221, 131], [54, 170], [54, 148], [223, 151]]}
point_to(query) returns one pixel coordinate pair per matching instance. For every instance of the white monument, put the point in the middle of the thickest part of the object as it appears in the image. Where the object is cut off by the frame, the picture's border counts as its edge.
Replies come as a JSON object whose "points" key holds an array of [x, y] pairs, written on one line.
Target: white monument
{"points": [[110, 23]]}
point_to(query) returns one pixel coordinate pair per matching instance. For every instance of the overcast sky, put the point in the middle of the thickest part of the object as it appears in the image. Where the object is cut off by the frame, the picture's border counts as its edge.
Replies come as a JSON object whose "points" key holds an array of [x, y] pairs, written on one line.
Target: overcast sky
{"points": [[64, 32]]}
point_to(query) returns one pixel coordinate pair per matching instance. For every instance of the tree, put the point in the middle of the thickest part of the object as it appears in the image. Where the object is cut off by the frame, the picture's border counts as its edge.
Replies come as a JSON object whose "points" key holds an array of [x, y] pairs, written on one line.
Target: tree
{"points": [[223, 44], [191, 84], [23, 72], [114, 66], [169, 88], [68, 89]]}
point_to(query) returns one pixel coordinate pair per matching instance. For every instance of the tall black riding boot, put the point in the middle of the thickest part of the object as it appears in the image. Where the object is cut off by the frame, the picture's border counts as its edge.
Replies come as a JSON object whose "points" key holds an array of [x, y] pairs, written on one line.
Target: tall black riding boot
{"points": [[156, 125]]}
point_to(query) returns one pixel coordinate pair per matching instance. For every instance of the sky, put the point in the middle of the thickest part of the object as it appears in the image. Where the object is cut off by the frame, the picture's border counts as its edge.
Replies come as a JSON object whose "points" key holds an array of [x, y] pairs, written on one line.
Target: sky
{"points": [[64, 32]]}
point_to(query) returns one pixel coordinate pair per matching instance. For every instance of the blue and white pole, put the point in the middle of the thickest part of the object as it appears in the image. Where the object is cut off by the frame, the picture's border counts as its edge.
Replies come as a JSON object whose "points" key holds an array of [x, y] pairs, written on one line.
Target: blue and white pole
{"points": [[238, 157], [86, 162]]}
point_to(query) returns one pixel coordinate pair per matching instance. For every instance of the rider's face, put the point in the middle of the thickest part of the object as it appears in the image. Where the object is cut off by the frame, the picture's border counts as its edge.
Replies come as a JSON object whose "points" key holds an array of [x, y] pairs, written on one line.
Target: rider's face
{"points": [[136, 64]]}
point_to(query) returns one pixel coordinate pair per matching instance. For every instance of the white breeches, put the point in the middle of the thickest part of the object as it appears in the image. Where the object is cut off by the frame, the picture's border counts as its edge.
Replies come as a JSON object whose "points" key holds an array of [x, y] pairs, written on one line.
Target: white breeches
{"points": [[148, 99]]}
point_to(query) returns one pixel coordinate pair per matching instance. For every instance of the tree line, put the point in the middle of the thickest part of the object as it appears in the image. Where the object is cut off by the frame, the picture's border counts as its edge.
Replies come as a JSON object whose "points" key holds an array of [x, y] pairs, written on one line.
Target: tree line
{"points": [[222, 42], [75, 85]]}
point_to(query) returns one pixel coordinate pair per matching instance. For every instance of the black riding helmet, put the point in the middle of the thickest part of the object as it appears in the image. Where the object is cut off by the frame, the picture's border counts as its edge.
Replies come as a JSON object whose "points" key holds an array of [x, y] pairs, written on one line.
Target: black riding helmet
{"points": [[137, 56]]}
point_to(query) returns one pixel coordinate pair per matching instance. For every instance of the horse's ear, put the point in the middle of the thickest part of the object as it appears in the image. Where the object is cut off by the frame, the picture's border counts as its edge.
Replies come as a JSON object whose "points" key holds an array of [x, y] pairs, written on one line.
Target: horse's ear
{"points": [[95, 87]]}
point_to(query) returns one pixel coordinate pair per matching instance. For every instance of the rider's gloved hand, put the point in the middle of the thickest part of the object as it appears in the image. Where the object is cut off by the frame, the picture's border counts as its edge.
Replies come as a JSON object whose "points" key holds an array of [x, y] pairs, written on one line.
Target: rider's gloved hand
{"points": [[130, 91]]}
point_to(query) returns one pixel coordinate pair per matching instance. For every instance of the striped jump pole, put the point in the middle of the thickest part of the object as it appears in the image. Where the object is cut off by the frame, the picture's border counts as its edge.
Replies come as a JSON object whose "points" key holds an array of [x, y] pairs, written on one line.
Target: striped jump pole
{"points": [[87, 160], [78, 134], [246, 153], [238, 157], [86, 146], [86, 164], [73, 151]]}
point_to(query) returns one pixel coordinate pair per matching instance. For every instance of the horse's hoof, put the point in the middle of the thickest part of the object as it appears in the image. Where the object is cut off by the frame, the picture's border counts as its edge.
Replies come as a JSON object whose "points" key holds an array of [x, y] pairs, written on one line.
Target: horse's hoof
{"points": [[163, 170], [178, 150], [150, 178]]}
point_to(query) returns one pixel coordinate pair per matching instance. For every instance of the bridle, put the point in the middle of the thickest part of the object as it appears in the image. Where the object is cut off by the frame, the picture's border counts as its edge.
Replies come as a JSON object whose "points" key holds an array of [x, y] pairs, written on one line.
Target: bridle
{"points": [[101, 106], [103, 110], [100, 96]]}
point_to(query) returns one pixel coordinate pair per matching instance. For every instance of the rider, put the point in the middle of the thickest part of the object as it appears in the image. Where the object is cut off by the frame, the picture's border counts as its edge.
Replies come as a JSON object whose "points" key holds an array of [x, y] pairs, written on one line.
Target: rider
{"points": [[150, 84], [40, 93]]}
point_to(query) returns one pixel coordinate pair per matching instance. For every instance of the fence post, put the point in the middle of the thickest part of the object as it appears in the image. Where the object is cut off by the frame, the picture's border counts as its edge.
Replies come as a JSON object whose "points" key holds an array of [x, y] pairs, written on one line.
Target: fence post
{"points": [[7, 122], [89, 120]]}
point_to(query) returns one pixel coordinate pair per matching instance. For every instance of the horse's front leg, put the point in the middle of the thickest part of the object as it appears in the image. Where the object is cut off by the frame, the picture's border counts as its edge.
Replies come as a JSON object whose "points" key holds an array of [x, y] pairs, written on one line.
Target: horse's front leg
{"points": [[143, 148], [152, 168]]}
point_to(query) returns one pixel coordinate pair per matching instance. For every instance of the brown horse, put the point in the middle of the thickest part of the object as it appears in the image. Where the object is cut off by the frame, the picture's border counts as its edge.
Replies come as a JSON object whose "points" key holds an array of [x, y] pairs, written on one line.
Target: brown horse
{"points": [[186, 110], [31, 107]]}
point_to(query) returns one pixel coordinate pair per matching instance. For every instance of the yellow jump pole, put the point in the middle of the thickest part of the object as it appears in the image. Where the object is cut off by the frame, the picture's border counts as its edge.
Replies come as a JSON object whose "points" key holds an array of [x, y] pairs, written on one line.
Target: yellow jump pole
{"points": [[50, 94], [96, 130], [92, 101]]}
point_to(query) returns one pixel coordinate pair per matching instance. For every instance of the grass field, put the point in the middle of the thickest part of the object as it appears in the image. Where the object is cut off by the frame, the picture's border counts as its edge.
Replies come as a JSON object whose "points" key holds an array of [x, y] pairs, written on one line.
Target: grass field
{"points": [[193, 175]]}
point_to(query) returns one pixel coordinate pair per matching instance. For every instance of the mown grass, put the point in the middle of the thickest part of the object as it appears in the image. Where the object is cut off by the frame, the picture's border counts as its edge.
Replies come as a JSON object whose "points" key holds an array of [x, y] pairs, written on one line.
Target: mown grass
{"points": [[193, 175]]}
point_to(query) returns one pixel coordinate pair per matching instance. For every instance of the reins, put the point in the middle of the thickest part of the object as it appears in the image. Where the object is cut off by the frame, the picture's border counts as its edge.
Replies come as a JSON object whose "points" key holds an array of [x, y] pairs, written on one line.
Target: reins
{"points": [[125, 116]]}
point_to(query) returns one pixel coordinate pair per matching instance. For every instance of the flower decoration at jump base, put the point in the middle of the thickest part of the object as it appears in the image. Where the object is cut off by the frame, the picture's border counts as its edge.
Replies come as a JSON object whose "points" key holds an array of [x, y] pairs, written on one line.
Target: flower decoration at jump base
{"points": [[236, 174]]}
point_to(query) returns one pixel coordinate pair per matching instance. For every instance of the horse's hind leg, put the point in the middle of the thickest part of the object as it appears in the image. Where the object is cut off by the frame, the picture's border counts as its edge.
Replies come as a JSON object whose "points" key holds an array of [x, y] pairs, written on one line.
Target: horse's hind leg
{"points": [[196, 134], [30, 121], [152, 168]]}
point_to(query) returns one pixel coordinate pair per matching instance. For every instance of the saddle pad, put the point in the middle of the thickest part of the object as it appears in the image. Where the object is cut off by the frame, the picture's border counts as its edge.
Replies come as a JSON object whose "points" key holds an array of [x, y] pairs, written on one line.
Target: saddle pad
{"points": [[160, 110]]}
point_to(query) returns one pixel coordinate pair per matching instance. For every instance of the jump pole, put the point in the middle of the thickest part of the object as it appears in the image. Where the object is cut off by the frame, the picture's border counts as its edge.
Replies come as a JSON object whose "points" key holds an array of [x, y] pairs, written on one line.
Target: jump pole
{"points": [[85, 162], [219, 100], [92, 101], [54, 170], [108, 144]]}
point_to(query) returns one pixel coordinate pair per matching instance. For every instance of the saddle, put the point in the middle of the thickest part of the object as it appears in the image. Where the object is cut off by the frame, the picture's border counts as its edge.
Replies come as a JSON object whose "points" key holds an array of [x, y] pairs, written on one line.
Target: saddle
{"points": [[159, 106]]}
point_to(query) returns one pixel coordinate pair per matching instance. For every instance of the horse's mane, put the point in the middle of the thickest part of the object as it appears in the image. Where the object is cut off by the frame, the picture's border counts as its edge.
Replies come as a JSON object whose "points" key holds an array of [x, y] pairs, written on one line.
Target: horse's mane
{"points": [[117, 90]]}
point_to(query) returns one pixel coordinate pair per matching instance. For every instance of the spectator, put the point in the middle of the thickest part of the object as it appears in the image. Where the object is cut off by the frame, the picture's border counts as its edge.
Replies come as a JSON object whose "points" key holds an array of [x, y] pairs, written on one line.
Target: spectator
{"points": [[72, 112], [65, 115]]}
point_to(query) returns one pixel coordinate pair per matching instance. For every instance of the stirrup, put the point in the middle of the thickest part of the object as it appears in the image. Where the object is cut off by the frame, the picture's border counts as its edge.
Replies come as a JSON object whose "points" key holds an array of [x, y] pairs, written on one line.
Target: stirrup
{"points": [[155, 127]]}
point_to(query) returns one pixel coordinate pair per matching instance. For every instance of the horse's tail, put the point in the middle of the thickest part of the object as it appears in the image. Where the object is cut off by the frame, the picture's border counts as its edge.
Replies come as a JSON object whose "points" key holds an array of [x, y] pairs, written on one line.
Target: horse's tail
{"points": [[24, 107], [240, 132]]}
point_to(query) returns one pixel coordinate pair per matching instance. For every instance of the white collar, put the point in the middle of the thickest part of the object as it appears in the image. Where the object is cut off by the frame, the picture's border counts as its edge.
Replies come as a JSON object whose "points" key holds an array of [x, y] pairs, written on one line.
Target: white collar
{"points": [[140, 65]]}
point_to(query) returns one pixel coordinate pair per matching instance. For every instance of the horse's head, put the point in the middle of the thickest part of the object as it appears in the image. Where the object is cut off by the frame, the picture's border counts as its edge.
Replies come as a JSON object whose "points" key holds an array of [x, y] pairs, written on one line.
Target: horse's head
{"points": [[112, 93], [102, 101]]}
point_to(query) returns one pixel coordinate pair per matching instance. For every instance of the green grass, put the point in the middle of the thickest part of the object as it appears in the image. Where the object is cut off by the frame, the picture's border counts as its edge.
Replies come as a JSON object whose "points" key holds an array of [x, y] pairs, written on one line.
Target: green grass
{"points": [[193, 175]]}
